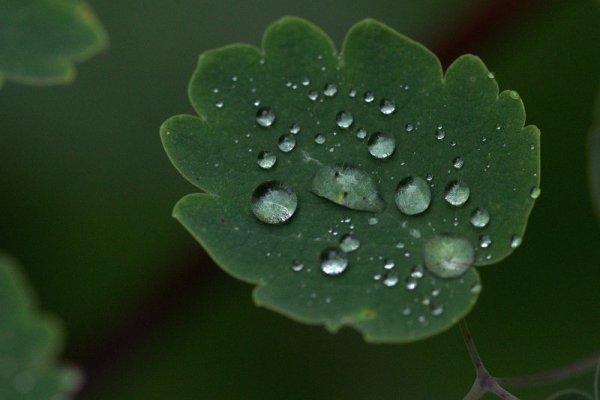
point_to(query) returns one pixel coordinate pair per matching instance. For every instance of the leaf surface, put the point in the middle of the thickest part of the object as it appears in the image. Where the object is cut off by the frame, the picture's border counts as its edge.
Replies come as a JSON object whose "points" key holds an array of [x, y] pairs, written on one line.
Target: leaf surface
{"points": [[29, 344], [40, 40], [455, 132]]}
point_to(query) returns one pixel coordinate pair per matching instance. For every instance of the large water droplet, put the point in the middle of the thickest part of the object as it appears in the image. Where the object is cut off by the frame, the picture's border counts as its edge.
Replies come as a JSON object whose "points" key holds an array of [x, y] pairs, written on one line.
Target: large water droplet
{"points": [[480, 218], [265, 117], [413, 195], [266, 159], [286, 143], [333, 261], [387, 107], [347, 186], [381, 145], [457, 193], [344, 119], [274, 202], [448, 256], [349, 243]]}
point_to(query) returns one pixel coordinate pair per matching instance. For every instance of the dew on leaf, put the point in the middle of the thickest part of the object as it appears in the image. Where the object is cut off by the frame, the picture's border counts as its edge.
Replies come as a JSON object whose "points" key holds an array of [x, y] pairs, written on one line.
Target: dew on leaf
{"points": [[266, 159], [485, 241], [535, 192], [448, 256], [369, 97], [297, 266], [411, 283], [389, 264], [333, 261], [413, 195], [265, 117], [475, 288], [381, 145], [352, 93], [330, 90], [480, 218], [409, 128], [274, 202], [457, 193], [516, 241], [344, 119], [391, 279], [219, 104], [313, 95], [417, 271], [319, 138], [440, 133], [347, 186], [349, 243], [437, 310], [361, 133], [294, 129], [286, 143], [387, 107], [373, 220], [458, 163]]}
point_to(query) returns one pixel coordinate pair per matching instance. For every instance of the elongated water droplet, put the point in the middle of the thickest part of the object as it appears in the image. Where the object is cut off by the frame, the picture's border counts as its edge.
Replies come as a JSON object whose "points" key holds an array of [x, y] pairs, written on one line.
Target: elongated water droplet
{"points": [[381, 145], [265, 117], [387, 107], [266, 159], [344, 119], [413, 195], [349, 243], [333, 261], [286, 143], [457, 193], [448, 256], [516, 241], [274, 202], [480, 218], [347, 186], [535, 192], [330, 90]]}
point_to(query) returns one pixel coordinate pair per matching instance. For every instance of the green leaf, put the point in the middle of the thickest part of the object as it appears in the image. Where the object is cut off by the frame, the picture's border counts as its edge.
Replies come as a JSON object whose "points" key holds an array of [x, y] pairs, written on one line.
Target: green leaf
{"points": [[594, 158], [40, 40], [29, 344], [570, 394], [455, 132]]}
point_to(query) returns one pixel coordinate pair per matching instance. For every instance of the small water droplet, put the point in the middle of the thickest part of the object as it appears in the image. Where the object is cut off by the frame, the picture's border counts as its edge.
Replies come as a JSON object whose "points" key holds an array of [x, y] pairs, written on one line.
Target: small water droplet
{"points": [[381, 145], [295, 129], [458, 163], [535, 192], [400, 245], [319, 139], [440, 133], [475, 288], [491, 75], [480, 218], [219, 104], [274, 202], [448, 256], [409, 128], [313, 95], [330, 90], [417, 271], [352, 92], [369, 97], [348, 186], [361, 133], [485, 241], [265, 117], [344, 119], [391, 279], [413, 195], [389, 264], [516, 241], [305, 82], [286, 143], [266, 159], [437, 310], [457, 193], [513, 95], [349, 243], [373, 220], [297, 266], [333, 261], [387, 107], [411, 283], [406, 311]]}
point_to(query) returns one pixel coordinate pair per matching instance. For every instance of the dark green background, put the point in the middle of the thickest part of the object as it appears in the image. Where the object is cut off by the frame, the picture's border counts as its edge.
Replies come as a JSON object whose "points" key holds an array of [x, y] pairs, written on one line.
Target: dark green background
{"points": [[87, 192]]}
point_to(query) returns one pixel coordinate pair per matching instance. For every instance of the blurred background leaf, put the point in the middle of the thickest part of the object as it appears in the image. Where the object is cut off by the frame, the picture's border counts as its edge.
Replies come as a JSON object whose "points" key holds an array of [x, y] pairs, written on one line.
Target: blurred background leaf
{"points": [[87, 194], [29, 344], [41, 39]]}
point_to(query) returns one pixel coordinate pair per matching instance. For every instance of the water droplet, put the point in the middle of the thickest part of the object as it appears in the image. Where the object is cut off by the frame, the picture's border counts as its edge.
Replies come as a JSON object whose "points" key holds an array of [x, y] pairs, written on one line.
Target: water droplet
{"points": [[361, 133], [389, 264], [513, 95], [409, 128], [480, 218], [313, 95], [485, 241], [406, 311], [457, 193], [475, 288], [266, 159], [535, 192], [437, 310], [391, 279], [516, 241], [352, 93], [297, 266], [305, 82], [333, 261], [295, 129], [219, 104], [373, 220], [458, 163], [400, 245], [411, 283], [344, 119], [265, 117], [369, 97], [417, 271], [274, 202], [381, 145], [347, 186], [349, 243], [387, 107], [319, 139], [491, 75], [286, 143], [413, 195], [448, 256], [330, 90], [440, 133]]}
